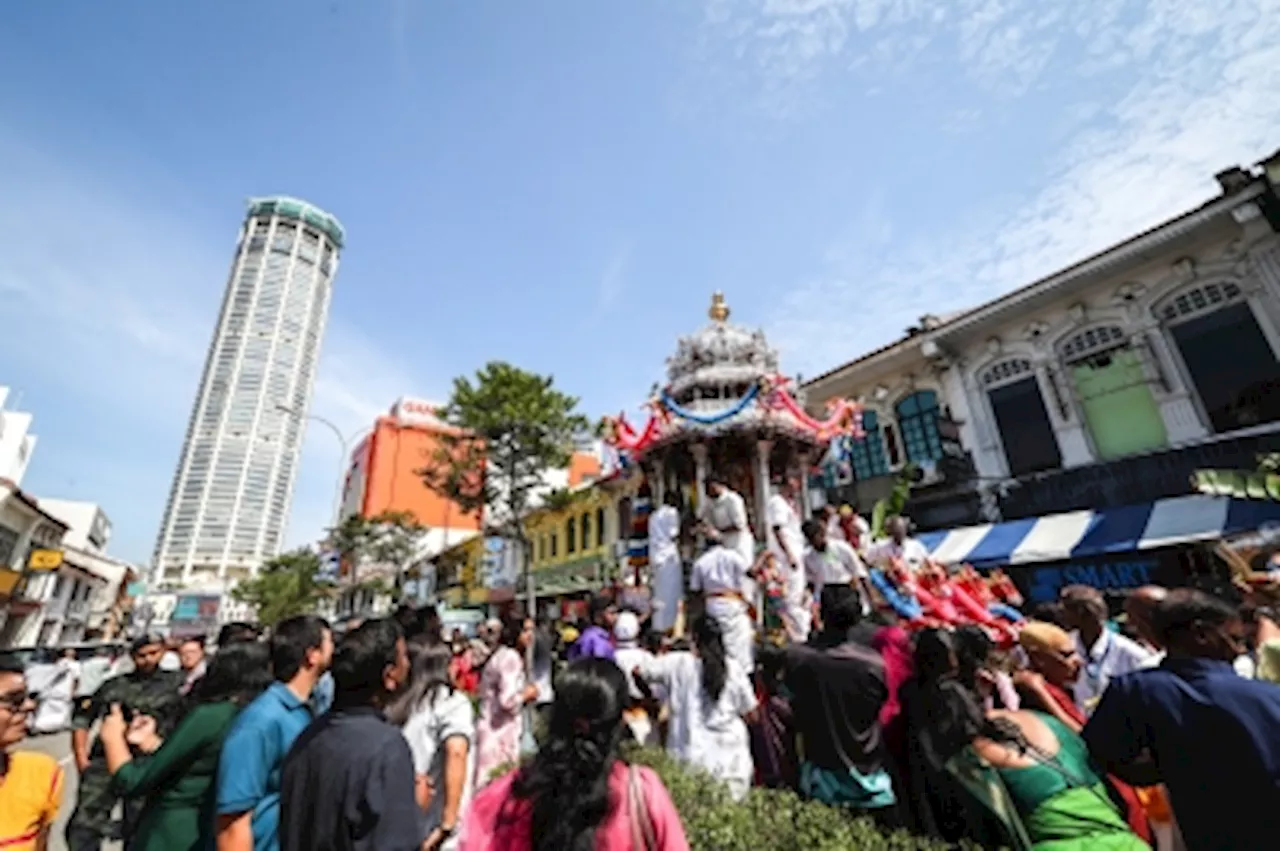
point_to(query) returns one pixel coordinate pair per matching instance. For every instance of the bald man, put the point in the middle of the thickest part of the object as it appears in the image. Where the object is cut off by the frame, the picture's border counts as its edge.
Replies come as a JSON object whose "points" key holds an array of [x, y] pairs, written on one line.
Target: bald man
{"points": [[1140, 608], [1106, 654]]}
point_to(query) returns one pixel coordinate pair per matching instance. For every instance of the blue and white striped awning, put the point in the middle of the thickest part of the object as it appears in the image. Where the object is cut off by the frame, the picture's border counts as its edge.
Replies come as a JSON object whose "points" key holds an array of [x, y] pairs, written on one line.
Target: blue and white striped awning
{"points": [[1085, 534]]}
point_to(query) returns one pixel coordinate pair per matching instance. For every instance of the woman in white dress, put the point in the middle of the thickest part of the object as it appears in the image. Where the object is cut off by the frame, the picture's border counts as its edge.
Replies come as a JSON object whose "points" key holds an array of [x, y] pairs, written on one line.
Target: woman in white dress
{"points": [[439, 724], [709, 697]]}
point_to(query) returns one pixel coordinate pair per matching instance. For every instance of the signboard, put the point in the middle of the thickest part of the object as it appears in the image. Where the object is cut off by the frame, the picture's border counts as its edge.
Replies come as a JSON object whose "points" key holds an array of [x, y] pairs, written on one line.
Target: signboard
{"points": [[1042, 584], [499, 566], [330, 562], [44, 560], [410, 411], [194, 614]]}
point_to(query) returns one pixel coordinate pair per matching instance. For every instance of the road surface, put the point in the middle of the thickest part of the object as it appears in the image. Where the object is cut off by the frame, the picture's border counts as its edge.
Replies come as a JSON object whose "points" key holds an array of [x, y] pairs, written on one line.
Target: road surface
{"points": [[58, 746]]}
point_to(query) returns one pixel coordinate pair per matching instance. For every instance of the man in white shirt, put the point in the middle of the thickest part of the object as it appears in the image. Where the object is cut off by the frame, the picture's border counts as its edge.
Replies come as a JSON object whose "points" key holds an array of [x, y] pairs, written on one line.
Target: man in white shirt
{"points": [[830, 518], [723, 577], [664, 561], [786, 543], [1105, 654], [726, 513], [833, 562], [898, 548]]}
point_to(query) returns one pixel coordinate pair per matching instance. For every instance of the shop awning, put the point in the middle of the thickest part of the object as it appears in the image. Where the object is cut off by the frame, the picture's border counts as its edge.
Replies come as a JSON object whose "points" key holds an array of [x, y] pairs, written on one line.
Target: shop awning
{"points": [[1085, 534]]}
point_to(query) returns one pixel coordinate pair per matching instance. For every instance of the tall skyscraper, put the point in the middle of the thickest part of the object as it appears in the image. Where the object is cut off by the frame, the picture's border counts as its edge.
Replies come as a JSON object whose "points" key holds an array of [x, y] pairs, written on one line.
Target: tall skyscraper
{"points": [[230, 497]]}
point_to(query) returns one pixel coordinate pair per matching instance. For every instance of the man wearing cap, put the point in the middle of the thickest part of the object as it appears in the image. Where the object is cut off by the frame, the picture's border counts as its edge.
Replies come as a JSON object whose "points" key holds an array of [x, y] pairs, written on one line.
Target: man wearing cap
{"points": [[146, 690], [629, 656]]}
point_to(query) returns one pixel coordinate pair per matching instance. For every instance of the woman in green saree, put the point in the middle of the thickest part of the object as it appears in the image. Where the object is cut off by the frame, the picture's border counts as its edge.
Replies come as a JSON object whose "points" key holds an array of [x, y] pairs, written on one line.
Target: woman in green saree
{"points": [[1027, 770]]}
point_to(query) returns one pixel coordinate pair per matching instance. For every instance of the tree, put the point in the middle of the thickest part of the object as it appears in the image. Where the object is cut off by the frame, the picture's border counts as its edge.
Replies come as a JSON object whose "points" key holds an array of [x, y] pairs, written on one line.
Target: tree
{"points": [[895, 503], [510, 427], [390, 538], [285, 586]]}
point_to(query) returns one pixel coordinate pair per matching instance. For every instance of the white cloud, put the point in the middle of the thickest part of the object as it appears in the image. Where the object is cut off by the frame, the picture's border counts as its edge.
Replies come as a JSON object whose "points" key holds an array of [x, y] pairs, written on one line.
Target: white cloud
{"points": [[110, 295], [614, 278], [1189, 89], [1005, 47]]}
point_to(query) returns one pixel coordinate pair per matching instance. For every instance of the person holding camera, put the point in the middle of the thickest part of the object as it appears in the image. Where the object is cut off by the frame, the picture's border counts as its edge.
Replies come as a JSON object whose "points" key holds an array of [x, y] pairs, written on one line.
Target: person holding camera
{"points": [[146, 690], [175, 774]]}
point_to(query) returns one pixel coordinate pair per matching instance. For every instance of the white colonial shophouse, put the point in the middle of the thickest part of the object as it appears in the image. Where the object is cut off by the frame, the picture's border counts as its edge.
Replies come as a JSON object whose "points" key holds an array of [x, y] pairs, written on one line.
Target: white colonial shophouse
{"points": [[1106, 383]]}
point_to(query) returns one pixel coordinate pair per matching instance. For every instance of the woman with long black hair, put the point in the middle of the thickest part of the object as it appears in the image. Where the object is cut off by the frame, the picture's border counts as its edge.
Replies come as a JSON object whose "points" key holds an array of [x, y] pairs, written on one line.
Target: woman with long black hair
{"points": [[439, 723], [710, 698], [504, 691], [175, 775], [1013, 778], [576, 795]]}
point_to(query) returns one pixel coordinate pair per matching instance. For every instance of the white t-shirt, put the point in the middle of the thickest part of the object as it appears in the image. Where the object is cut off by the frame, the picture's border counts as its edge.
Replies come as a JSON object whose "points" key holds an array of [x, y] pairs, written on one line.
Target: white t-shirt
{"points": [[782, 516], [719, 570], [911, 553], [426, 731], [710, 735], [628, 659], [664, 527], [1111, 656], [726, 511], [838, 564]]}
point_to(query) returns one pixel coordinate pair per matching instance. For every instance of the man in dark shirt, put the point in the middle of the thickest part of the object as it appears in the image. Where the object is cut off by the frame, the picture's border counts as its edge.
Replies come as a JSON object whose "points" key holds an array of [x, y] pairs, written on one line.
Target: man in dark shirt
{"points": [[348, 783], [838, 687], [1192, 723]]}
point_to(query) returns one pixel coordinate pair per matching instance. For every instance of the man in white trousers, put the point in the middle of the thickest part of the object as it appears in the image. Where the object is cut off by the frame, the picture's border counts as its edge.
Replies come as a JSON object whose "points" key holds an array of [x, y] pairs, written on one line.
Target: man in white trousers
{"points": [[786, 542], [664, 562]]}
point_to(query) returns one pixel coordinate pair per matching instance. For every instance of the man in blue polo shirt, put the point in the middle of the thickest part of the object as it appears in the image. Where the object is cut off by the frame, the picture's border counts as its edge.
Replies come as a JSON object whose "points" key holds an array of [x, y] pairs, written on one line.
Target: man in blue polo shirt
{"points": [[248, 804], [1194, 724]]}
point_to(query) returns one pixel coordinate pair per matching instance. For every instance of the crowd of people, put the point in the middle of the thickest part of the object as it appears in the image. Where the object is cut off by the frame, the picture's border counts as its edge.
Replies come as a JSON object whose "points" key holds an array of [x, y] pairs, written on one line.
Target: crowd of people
{"points": [[395, 736]]}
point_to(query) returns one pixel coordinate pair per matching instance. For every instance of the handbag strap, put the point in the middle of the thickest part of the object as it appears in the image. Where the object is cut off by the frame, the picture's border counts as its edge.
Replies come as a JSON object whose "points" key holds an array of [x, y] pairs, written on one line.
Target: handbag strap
{"points": [[643, 836]]}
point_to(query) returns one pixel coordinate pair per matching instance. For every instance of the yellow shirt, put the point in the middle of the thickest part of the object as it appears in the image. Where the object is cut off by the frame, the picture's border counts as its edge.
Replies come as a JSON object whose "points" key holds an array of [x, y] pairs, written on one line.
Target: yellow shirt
{"points": [[30, 793]]}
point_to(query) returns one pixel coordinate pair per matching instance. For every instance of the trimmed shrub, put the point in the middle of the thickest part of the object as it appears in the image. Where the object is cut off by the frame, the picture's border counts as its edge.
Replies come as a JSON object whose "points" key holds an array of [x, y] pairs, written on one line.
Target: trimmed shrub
{"points": [[769, 819]]}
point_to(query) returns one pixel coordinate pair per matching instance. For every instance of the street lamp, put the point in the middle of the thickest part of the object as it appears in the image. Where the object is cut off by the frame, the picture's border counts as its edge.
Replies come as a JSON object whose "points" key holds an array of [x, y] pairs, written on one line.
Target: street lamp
{"points": [[345, 448]]}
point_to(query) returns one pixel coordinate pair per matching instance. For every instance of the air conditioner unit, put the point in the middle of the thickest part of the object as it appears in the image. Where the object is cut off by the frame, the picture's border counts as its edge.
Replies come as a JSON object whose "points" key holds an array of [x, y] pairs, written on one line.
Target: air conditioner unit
{"points": [[930, 474]]}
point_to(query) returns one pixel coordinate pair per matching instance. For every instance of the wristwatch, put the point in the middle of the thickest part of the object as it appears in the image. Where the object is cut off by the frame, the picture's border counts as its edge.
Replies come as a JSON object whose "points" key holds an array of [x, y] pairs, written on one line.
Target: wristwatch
{"points": [[447, 832]]}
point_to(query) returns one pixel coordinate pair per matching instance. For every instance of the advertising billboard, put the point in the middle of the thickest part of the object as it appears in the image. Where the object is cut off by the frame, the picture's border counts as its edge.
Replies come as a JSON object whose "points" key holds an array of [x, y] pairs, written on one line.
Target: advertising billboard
{"points": [[195, 614]]}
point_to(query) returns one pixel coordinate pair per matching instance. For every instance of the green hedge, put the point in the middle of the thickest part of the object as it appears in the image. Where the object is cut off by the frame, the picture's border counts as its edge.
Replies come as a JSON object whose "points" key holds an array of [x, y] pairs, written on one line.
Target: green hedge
{"points": [[768, 820]]}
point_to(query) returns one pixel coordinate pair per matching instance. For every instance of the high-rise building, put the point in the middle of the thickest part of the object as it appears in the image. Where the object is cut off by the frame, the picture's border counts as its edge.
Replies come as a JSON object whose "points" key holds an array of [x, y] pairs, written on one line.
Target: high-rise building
{"points": [[230, 498]]}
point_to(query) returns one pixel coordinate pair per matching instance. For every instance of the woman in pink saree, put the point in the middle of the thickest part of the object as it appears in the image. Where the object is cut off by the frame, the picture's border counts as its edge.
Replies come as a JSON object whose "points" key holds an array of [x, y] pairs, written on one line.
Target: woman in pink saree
{"points": [[504, 690]]}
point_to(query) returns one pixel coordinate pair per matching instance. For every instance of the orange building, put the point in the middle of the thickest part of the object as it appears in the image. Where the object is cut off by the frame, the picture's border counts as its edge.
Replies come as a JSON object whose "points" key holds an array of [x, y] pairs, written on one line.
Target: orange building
{"points": [[382, 475]]}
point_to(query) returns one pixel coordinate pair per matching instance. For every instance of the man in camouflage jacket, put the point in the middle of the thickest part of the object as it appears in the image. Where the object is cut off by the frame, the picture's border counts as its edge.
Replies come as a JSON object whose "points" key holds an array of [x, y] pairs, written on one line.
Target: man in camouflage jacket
{"points": [[146, 690]]}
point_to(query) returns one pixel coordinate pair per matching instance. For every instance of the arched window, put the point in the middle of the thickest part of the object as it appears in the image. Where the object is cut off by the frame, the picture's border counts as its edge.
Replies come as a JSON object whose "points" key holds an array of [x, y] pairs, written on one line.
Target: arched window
{"points": [[918, 421], [1205, 298], [586, 530], [1115, 396], [600, 526], [867, 454], [1005, 371], [1093, 341], [1228, 359], [1017, 406], [570, 535]]}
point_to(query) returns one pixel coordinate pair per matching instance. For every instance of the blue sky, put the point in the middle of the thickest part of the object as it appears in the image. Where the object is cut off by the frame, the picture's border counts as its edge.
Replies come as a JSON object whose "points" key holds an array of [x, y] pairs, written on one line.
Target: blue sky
{"points": [[563, 183]]}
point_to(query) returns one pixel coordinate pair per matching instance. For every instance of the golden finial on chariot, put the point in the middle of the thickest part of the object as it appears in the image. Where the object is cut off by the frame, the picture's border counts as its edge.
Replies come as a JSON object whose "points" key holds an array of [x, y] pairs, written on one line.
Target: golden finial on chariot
{"points": [[719, 311]]}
